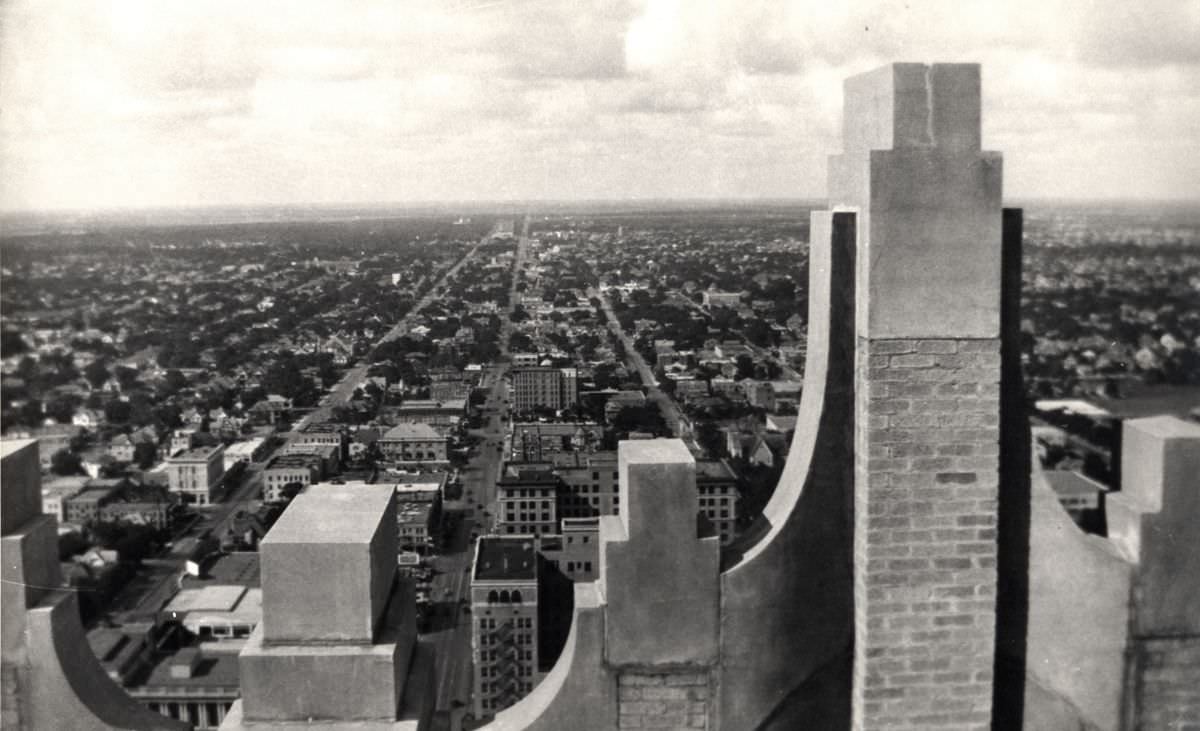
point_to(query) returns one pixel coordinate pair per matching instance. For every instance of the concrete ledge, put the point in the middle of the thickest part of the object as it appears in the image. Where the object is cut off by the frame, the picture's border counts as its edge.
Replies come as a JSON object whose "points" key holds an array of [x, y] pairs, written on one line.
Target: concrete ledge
{"points": [[67, 688], [579, 693], [20, 483], [1080, 583], [30, 571]]}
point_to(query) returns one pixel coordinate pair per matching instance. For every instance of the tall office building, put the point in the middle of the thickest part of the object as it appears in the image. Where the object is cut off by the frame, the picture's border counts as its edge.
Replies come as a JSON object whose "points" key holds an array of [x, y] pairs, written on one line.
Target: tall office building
{"points": [[504, 609]]}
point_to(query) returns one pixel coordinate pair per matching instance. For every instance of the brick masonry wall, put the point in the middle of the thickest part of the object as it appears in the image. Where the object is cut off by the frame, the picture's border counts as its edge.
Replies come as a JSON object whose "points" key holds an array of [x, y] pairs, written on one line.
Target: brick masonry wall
{"points": [[926, 484], [1168, 684], [663, 701]]}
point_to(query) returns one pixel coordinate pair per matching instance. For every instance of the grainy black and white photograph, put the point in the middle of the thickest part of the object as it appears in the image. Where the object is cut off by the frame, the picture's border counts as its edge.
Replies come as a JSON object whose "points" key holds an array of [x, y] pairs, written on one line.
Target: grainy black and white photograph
{"points": [[600, 365]]}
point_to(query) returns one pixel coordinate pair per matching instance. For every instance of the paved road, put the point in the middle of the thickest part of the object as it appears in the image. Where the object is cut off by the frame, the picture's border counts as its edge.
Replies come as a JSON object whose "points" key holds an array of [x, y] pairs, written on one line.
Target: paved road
{"points": [[666, 404], [344, 388]]}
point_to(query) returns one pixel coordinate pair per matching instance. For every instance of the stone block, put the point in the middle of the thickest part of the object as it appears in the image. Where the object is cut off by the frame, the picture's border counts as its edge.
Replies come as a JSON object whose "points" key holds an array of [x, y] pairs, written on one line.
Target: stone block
{"points": [[328, 565], [929, 239], [20, 483], [295, 682], [1153, 520], [660, 580], [30, 571]]}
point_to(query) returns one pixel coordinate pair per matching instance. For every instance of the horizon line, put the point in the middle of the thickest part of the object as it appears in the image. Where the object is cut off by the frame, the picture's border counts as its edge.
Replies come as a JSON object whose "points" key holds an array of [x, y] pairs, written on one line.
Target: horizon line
{"points": [[528, 202]]}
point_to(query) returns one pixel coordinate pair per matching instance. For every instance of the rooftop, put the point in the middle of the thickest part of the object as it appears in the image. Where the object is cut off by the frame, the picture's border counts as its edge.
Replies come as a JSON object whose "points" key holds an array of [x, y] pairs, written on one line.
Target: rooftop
{"points": [[323, 427], [240, 568], [218, 669], [412, 431], [453, 404], [714, 469], [333, 514], [294, 460], [505, 558], [201, 454]]}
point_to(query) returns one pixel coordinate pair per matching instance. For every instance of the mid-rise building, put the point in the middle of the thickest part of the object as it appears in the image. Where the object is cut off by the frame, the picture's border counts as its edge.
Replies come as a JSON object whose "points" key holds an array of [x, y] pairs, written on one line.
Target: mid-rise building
{"points": [[527, 497], [504, 633], [590, 485], [544, 387], [716, 483], [195, 474]]}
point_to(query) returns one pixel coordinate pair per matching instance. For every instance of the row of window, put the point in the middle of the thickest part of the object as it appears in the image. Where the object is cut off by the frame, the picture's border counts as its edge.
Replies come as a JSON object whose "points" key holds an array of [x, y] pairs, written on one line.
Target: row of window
{"points": [[504, 597], [522, 622]]}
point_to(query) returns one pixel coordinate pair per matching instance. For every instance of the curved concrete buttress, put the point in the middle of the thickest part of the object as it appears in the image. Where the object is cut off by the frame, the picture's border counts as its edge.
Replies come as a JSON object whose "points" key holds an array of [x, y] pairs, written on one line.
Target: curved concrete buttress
{"points": [[68, 689], [578, 693], [787, 600]]}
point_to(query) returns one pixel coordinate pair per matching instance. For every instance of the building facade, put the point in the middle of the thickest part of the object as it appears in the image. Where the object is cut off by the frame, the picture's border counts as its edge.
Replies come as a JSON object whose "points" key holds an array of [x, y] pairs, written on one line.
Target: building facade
{"points": [[527, 500], [413, 444], [544, 387], [195, 474]]}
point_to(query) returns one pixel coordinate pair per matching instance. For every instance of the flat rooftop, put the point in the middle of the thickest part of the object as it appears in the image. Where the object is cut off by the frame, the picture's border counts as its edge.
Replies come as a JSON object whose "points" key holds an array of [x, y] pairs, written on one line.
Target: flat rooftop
{"points": [[413, 431], [294, 460], [332, 514], [506, 558], [714, 469], [194, 454], [324, 427]]}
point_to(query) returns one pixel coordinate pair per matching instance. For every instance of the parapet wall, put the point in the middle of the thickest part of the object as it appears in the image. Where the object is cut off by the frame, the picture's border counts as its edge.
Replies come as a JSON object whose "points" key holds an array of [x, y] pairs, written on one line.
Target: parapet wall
{"points": [[51, 678]]}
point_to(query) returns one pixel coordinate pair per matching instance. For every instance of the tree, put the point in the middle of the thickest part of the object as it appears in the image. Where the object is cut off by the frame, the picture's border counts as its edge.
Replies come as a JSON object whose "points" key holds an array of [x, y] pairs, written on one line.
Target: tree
{"points": [[145, 454], [96, 373], [62, 408], [745, 366], [127, 377], [66, 463], [117, 411]]}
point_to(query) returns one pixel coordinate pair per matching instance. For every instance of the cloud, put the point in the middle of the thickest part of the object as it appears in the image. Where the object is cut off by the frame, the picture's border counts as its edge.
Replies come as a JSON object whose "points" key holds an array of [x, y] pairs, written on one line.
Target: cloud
{"points": [[134, 102]]}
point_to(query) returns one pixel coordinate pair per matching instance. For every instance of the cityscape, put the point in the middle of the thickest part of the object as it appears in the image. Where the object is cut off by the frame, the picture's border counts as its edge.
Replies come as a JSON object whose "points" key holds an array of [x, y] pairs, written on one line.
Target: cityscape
{"points": [[902, 448]]}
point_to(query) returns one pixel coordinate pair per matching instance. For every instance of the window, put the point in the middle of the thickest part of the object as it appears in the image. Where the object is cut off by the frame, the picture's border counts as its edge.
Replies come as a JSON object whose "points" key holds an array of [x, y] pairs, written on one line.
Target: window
{"points": [[516, 596], [587, 566], [493, 597]]}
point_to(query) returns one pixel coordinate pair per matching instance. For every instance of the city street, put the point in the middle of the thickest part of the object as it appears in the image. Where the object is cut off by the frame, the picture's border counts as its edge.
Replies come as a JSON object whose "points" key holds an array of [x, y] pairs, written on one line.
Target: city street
{"points": [[666, 405]]}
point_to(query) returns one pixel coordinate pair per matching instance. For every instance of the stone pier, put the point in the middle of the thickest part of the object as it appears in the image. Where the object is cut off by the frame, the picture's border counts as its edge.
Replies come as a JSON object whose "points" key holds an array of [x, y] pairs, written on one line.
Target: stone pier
{"points": [[337, 643], [927, 394]]}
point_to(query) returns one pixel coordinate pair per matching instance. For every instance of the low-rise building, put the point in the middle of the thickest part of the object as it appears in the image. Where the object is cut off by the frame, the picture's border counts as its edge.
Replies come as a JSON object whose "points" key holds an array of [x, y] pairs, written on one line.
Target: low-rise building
{"points": [[413, 444], [194, 684], [244, 452], [195, 474], [287, 469], [57, 491]]}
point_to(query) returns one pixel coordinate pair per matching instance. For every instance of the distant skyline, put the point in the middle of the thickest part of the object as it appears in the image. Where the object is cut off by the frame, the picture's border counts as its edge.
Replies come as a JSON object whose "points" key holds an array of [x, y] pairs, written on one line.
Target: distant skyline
{"points": [[165, 103]]}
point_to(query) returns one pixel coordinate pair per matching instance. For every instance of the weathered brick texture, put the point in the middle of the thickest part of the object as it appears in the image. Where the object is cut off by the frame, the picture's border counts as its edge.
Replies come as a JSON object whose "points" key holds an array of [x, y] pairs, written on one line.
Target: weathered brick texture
{"points": [[1169, 684], [926, 460], [663, 701]]}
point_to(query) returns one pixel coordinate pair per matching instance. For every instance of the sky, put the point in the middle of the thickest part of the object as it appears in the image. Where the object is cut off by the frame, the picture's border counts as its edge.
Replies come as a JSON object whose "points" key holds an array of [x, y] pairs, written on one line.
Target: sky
{"points": [[164, 103]]}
